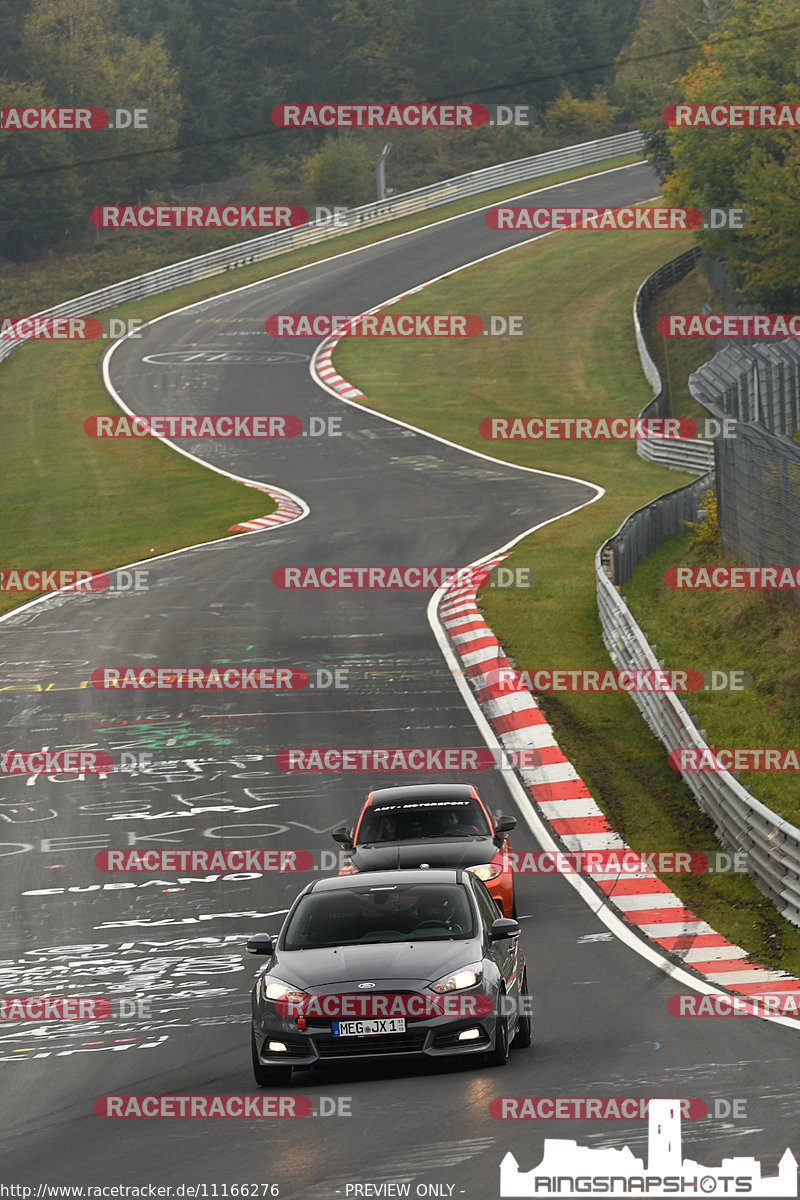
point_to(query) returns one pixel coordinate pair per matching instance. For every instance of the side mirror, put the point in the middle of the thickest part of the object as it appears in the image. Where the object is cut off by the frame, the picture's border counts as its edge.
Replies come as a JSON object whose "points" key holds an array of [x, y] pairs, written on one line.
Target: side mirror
{"points": [[504, 928], [342, 835], [505, 824], [260, 943]]}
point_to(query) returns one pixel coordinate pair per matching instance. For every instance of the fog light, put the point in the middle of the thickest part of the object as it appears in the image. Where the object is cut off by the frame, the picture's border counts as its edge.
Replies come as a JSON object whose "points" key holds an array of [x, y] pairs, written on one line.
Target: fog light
{"points": [[276, 1047], [469, 1035]]}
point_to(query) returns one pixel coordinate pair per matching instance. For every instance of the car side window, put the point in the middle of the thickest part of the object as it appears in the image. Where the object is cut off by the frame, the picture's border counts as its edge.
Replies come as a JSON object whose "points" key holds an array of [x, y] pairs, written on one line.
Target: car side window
{"points": [[486, 905]]}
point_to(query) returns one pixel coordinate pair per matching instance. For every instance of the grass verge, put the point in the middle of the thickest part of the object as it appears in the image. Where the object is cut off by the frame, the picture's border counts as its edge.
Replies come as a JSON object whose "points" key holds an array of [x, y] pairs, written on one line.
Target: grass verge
{"points": [[751, 631], [579, 360]]}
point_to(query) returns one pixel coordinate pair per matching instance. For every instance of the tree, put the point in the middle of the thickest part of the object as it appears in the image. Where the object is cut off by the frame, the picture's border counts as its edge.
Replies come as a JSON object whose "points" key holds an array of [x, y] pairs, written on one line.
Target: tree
{"points": [[341, 172], [33, 213], [755, 168], [81, 59], [571, 118], [668, 39]]}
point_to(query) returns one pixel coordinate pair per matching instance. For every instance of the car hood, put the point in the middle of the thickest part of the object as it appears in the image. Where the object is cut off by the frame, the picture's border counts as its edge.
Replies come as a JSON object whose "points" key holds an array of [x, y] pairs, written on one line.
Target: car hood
{"points": [[419, 962], [461, 852]]}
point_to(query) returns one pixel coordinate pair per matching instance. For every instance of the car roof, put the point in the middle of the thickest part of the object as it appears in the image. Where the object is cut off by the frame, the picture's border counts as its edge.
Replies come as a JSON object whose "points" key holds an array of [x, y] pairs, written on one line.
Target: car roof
{"points": [[415, 792], [366, 879]]}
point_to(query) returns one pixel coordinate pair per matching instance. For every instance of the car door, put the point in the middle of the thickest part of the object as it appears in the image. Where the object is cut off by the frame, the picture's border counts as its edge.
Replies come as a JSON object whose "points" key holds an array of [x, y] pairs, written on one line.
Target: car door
{"points": [[505, 952]]}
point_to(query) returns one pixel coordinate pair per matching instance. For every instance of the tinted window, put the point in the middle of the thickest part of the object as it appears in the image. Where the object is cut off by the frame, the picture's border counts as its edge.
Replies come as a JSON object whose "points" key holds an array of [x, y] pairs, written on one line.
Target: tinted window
{"points": [[486, 905], [351, 916], [423, 819]]}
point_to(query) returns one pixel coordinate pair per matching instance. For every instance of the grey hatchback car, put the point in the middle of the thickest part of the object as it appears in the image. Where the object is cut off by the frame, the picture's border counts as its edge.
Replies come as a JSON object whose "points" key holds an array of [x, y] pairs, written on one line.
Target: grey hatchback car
{"points": [[389, 964]]}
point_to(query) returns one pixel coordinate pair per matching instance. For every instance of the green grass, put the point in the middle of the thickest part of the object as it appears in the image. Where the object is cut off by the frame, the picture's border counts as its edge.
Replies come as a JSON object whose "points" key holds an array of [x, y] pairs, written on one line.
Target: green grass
{"points": [[579, 359], [68, 500], [756, 632], [72, 501]]}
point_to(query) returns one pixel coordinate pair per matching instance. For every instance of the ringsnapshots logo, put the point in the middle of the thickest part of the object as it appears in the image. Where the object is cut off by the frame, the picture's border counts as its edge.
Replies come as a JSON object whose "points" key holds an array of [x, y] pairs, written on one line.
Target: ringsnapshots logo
{"points": [[567, 1169], [397, 325]]}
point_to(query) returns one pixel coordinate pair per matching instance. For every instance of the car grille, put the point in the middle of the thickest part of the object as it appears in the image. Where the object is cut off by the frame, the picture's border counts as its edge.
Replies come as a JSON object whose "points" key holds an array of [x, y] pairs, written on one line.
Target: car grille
{"points": [[387, 1043]]}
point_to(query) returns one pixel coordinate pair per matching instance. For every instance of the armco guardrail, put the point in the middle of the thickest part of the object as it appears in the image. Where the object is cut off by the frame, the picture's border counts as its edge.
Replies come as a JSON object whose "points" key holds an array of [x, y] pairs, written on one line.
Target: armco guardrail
{"points": [[244, 253], [685, 454], [744, 825]]}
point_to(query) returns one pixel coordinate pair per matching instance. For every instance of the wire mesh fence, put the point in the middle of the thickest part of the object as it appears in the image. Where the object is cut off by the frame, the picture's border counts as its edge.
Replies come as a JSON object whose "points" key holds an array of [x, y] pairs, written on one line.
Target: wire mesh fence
{"points": [[758, 465], [760, 482]]}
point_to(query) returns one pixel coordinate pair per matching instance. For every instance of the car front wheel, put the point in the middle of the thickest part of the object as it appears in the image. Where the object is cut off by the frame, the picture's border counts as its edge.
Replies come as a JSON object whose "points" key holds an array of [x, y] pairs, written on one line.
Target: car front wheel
{"points": [[523, 1037], [498, 1055]]}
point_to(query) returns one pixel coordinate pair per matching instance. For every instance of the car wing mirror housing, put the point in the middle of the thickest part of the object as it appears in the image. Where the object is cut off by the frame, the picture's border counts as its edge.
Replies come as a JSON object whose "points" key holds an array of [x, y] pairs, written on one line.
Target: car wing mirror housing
{"points": [[503, 825], [260, 943], [504, 928], [343, 835]]}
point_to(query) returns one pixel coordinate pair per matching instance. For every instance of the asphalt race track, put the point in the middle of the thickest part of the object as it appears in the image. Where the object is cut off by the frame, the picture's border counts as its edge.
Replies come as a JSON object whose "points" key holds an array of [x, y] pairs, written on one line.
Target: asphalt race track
{"points": [[378, 494]]}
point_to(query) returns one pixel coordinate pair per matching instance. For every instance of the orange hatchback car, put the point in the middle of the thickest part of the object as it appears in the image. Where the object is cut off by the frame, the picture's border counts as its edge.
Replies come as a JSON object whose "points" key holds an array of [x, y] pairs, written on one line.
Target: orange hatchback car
{"points": [[433, 825]]}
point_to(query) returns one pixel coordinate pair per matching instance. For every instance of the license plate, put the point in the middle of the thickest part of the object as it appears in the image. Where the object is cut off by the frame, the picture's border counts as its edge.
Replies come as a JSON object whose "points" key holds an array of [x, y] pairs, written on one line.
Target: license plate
{"points": [[370, 1028]]}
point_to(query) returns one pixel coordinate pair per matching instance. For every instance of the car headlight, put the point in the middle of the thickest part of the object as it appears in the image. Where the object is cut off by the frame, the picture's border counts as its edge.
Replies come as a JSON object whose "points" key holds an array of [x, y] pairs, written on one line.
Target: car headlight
{"points": [[457, 981], [275, 989], [487, 871]]}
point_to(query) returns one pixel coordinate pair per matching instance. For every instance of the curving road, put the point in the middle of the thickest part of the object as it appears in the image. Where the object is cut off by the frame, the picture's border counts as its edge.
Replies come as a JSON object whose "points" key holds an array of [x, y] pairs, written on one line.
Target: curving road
{"points": [[378, 494]]}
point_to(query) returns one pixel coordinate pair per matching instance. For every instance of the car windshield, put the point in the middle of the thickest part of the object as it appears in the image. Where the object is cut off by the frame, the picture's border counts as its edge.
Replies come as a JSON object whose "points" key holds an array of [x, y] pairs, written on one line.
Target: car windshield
{"points": [[420, 819], [382, 913]]}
